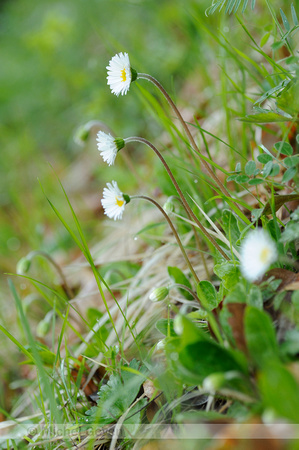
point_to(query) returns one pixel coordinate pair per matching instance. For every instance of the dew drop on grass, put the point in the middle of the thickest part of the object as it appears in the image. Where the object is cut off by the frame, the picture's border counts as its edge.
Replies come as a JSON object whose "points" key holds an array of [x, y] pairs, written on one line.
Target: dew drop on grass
{"points": [[195, 181], [135, 238]]}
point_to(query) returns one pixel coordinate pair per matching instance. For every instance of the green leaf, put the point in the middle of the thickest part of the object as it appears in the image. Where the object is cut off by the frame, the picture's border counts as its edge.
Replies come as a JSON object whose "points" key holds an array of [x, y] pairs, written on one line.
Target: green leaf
{"points": [[264, 39], [288, 98], [119, 393], [255, 297], [291, 232], [265, 117], [232, 177], [290, 345], [207, 294], [228, 272], [236, 295], [277, 45], [250, 168], [295, 300], [264, 158], [238, 167], [291, 161], [230, 226], [260, 336], [267, 169], [188, 331], [165, 327], [285, 20], [294, 15], [280, 391], [179, 277], [284, 148], [275, 170], [210, 358], [289, 174], [242, 179], [256, 181]]}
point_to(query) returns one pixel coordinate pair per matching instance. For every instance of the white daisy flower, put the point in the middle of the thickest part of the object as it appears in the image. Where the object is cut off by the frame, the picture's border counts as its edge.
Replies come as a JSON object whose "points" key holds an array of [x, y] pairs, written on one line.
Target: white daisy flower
{"points": [[108, 146], [258, 252], [114, 201], [120, 74]]}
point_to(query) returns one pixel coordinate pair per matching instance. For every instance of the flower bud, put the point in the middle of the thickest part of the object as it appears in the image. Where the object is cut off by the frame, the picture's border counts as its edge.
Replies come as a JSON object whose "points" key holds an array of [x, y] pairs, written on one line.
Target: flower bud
{"points": [[43, 328], [159, 294], [214, 382], [23, 265], [169, 206]]}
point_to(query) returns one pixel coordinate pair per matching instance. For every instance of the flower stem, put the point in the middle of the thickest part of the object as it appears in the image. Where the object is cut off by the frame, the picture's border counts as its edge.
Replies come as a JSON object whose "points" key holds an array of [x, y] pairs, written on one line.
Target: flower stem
{"points": [[144, 197], [198, 244], [65, 285], [179, 191], [153, 80]]}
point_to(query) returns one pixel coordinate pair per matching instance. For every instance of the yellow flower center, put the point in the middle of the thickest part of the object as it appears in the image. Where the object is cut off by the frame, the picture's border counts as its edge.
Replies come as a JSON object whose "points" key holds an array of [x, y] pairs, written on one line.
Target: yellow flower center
{"points": [[264, 255], [123, 75], [119, 201]]}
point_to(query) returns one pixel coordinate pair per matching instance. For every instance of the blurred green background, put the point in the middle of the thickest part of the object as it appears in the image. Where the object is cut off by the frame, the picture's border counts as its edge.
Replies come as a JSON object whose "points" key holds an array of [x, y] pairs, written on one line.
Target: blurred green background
{"points": [[53, 78]]}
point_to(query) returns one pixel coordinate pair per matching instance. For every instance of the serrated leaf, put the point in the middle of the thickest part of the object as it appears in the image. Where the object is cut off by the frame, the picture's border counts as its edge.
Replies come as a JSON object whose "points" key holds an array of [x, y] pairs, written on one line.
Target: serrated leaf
{"points": [[207, 295], [180, 278], [260, 336], [289, 174], [284, 148], [250, 168], [119, 393], [264, 158]]}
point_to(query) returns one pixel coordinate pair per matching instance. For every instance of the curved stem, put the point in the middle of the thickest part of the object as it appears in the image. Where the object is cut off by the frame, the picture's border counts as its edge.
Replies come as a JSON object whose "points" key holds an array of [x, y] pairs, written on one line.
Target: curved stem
{"points": [[196, 240], [67, 289], [144, 197], [186, 288], [153, 80], [179, 191]]}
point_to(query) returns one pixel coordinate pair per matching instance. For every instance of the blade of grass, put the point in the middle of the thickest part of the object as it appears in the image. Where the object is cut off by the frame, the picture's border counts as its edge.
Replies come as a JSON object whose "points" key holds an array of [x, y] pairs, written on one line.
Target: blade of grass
{"points": [[48, 391]]}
